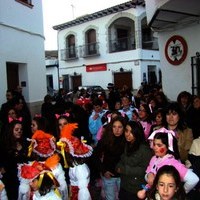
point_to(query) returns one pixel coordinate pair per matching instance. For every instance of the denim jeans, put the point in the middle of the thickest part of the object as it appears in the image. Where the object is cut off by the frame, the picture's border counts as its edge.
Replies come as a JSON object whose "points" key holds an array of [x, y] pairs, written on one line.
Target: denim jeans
{"points": [[111, 188]]}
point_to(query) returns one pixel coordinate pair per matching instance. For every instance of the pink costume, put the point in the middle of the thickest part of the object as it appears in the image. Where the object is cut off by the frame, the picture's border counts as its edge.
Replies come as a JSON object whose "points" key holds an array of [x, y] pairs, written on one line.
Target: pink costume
{"points": [[157, 162], [147, 127]]}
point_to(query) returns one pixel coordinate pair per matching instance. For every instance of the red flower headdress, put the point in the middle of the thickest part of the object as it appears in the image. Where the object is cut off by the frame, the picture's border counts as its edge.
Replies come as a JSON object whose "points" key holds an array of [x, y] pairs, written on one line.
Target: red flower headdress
{"points": [[43, 144], [72, 144], [28, 172]]}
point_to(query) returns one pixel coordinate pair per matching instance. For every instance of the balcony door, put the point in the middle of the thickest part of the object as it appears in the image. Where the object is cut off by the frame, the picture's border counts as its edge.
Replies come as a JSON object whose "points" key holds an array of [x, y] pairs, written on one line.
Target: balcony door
{"points": [[91, 39]]}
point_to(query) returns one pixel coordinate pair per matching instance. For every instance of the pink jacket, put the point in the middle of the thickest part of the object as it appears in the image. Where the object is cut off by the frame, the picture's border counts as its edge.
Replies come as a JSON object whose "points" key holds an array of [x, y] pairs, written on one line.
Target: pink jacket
{"points": [[157, 162]]}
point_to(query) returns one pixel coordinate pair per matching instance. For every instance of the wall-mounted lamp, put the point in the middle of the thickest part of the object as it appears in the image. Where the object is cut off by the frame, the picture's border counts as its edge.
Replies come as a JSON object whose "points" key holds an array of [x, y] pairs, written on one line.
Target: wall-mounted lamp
{"points": [[121, 69], [75, 73]]}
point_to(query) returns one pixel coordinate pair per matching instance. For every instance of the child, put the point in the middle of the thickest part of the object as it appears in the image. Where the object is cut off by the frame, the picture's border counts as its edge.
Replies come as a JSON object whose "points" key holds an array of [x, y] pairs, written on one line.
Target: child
{"points": [[166, 153], [75, 152], [126, 106], [145, 114], [167, 185], [38, 181], [159, 120], [42, 147], [95, 122], [62, 120], [38, 123], [3, 194]]}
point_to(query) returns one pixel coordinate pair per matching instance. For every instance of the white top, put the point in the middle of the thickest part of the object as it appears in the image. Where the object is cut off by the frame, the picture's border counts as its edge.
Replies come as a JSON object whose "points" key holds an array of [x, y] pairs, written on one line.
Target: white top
{"points": [[3, 195], [80, 177], [49, 196]]}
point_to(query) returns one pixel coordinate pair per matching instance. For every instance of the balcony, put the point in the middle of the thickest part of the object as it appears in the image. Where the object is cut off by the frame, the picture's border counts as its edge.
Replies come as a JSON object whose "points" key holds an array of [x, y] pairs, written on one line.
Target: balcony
{"points": [[122, 44], [69, 53], [90, 49], [150, 44]]}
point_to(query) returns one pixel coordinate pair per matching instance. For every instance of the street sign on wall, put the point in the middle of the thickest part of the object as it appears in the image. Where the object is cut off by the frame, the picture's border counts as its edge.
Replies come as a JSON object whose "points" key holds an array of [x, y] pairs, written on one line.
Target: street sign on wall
{"points": [[96, 67]]}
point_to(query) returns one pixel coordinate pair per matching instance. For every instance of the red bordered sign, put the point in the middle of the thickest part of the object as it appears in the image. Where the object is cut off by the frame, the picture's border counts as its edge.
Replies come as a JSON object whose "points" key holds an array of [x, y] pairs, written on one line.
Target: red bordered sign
{"points": [[176, 50]]}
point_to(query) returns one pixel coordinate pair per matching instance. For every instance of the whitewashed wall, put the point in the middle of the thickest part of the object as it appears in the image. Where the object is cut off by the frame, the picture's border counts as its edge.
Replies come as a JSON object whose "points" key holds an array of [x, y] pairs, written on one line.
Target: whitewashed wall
{"points": [[115, 61], [22, 41]]}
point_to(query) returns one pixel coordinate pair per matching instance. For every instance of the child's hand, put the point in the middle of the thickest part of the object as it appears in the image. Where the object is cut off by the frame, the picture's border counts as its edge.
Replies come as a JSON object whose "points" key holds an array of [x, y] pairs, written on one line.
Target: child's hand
{"points": [[95, 116], [141, 194], [1, 187], [150, 178], [118, 170], [108, 174]]}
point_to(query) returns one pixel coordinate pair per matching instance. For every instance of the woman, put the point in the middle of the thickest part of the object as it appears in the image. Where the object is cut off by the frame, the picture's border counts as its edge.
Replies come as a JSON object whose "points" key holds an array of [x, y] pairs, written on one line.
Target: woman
{"points": [[107, 154], [14, 152], [133, 161], [176, 123]]}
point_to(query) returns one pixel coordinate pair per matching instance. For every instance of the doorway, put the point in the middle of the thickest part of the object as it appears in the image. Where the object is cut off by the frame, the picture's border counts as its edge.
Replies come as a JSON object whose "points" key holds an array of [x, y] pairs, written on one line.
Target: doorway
{"points": [[12, 70], [123, 78]]}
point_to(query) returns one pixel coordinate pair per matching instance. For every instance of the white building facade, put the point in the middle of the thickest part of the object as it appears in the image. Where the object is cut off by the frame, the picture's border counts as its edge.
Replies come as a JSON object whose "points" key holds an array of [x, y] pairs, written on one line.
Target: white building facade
{"points": [[176, 23], [112, 45], [22, 55]]}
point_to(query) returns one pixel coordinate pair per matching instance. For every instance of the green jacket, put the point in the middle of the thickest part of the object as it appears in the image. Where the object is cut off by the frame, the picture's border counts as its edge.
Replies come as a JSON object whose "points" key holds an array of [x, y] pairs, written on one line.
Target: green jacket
{"points": [[133, 168]]}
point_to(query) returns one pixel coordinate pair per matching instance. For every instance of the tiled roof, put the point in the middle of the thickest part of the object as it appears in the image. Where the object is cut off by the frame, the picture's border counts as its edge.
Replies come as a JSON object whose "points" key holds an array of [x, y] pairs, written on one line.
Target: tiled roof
{"points": [[99, 14]]}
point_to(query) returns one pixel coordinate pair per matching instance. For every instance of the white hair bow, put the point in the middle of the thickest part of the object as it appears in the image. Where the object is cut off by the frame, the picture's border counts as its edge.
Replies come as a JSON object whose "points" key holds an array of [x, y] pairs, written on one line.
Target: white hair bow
{"points": [[170, 136]]}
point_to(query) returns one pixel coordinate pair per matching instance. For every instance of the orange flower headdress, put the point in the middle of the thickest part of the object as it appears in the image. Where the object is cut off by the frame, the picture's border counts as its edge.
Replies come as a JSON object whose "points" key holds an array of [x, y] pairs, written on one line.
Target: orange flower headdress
{"points": [[43, 144], [72, 144], [28, 172]]}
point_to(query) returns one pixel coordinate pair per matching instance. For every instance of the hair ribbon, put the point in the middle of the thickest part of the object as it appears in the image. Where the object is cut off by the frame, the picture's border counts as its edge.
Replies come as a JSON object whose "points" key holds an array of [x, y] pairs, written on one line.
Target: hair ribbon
{"points": [[10, 119], [170, 136]]}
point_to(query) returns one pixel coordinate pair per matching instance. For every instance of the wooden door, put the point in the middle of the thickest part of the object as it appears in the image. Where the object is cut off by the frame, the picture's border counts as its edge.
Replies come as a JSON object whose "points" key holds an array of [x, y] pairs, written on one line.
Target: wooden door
{"points": [[123, 78], [12, 75], [76, 81]]}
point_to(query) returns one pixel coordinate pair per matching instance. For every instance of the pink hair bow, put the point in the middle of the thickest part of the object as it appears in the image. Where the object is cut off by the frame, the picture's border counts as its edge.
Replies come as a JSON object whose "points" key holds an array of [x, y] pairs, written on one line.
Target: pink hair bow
{"points": [[150, 108], [109, 118], [10, 119], [123, 114], [136, 110], [65, 114], [170, 136]]}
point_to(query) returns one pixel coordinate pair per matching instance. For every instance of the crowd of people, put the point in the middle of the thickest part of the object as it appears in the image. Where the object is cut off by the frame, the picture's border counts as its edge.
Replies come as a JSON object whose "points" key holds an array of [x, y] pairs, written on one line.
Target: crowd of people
{"points": [[141, 146]]}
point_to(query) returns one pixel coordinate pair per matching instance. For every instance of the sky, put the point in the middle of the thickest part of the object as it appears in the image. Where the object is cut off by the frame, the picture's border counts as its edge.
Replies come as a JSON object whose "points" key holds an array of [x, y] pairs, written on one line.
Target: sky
{"points": [[60, 11]]}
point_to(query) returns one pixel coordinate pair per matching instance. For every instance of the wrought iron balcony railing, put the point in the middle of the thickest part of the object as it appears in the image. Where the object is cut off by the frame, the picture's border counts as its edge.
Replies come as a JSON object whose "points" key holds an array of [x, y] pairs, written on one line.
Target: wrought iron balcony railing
{"points": [[150, 44], [69, 53], [122, 44], [90, 49]]}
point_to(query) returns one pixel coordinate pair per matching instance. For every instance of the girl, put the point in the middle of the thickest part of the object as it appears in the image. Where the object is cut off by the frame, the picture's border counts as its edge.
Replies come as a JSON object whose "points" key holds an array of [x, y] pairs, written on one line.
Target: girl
{"points": [[159, 118], [38, 123], [26, 176], [38, 181], [166, 153], [14, 152], [107, 155], [133, 161], [167, 185], [75, 154], [43, 147], [61, 121], [144, 113]]}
